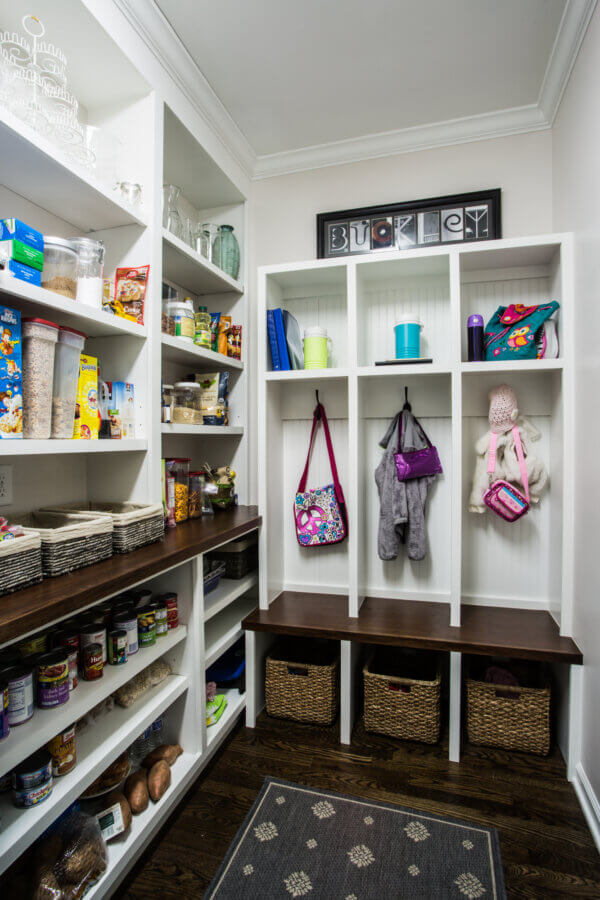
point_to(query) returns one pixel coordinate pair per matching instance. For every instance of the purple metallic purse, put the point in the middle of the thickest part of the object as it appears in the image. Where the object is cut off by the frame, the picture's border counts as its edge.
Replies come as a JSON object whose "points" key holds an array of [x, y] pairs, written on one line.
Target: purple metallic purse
{"points": [[416, 463]]}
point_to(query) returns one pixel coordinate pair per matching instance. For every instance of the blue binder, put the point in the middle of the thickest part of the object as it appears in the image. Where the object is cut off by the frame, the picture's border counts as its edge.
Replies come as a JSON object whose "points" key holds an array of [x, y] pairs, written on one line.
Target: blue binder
{"points": [[281, 341], [272, 335]]}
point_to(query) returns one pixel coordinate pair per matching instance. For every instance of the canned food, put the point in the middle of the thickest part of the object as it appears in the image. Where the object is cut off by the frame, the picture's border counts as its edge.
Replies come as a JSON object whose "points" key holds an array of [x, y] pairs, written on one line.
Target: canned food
{"points": [[146, 627], [129, 622], [29, 797], [94, 633], [52, 679], [117, 647], [69, 640], [172, 611], [4, 720], [93, 664], [141, 597], [104, 613], [20, 693], [62, 751], [36, 644], [33, 772], [160, 616], [5, 782], [123, 606]]}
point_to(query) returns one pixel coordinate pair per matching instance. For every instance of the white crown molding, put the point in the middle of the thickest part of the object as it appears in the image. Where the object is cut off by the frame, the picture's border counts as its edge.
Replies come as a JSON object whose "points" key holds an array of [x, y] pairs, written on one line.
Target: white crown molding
{"points": [[167, 47], [405, 140], [569, 37], [159, 36]]}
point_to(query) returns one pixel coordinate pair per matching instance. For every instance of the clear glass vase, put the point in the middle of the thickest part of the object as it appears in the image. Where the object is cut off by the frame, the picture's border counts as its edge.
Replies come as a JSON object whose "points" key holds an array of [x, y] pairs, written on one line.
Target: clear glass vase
{"points": [[227, 251], [171, 215]]}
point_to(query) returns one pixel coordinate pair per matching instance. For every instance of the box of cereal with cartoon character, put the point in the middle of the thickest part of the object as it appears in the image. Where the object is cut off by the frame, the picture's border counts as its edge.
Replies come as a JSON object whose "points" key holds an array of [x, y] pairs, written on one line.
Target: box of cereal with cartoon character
{"points": [[11, 376]]}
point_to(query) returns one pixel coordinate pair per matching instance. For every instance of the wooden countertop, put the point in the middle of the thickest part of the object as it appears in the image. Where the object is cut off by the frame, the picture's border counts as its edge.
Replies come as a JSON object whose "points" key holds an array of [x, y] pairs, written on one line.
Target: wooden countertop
{"points": [[485, 630], [32, 608]]}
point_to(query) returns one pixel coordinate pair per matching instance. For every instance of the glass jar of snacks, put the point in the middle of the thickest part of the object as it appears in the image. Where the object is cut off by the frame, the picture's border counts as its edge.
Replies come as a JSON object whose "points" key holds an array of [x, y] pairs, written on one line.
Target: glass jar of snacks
{"points": [[186, 408], [167, 321], [179, 471], [60, 267], [196, 491]]}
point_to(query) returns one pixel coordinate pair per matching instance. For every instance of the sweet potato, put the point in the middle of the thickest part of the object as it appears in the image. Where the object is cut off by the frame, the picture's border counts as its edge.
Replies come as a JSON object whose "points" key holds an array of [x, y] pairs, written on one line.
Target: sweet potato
{"points": [[136, 791], [159, 779], [117, 797], [168, 752]]}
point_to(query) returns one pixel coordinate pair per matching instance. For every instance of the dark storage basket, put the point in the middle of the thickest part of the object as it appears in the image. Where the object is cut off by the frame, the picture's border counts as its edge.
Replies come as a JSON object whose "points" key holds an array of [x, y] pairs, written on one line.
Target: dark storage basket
{"points": [[20, 563], [302, 682], [240, 556], [134, 524], [514, 718], [70, 540], [402, 695]]}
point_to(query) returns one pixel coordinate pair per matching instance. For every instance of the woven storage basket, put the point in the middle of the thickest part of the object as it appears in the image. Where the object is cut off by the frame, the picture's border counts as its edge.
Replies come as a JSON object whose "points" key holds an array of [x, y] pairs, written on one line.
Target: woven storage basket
{"points": [[240, 556], [134, 524], [514, 718], [70, 540], [302, 683], [402, 706], [20, 562]]}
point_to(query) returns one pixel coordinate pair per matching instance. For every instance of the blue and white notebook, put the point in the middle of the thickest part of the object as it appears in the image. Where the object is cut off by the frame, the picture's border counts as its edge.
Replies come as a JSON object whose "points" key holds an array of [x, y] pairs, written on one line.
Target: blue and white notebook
{"points": [[272, 335], [281, 341], [293, 337]]}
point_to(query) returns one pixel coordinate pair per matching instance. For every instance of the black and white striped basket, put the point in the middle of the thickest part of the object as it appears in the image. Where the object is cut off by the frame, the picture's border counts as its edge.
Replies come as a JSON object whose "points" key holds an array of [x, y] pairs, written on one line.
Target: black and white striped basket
{"points": [[134, 524], [70, 540], [20, 563]]}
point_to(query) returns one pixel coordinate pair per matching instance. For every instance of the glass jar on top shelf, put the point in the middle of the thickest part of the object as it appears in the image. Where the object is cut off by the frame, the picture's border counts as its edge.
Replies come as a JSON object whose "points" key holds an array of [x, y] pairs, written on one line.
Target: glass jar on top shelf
{"points": [[171, 215], [208, 236], [227, 251]]}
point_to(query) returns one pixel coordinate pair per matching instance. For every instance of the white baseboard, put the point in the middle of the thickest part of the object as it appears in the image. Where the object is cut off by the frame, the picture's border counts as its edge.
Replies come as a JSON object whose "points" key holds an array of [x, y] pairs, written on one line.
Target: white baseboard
{"points": [[589, 802]]}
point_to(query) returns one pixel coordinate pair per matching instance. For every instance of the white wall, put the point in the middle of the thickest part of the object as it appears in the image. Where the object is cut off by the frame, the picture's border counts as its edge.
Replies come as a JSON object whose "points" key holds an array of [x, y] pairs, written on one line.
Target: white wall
{"points": [[576, 192]]}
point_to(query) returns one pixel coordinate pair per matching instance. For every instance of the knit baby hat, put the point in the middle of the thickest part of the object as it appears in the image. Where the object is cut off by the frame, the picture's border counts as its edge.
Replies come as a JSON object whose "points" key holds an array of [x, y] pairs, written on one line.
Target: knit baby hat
{"points": [[504, 410]]}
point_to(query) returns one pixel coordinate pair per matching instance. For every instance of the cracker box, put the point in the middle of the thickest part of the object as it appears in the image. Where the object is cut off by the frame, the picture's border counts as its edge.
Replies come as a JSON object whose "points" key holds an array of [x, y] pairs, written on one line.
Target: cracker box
{"points": [[122, 398], [87, 418], [11, 379], [15, 230]]}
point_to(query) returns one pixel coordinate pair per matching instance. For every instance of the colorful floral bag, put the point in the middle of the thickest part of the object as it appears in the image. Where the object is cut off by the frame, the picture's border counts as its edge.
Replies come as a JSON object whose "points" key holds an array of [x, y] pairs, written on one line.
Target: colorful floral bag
{"points": [[511, 332], [320, 514], [503, 498]]}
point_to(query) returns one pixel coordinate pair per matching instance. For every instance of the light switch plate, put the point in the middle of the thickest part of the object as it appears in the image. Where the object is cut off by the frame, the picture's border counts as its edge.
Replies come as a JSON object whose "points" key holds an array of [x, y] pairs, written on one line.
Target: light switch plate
{"points": [[6, 485]]}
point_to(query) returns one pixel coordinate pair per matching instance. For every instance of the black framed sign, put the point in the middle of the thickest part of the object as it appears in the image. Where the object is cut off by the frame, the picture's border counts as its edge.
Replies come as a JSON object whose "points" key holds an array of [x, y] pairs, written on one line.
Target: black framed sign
{"points": [[461, 218]]}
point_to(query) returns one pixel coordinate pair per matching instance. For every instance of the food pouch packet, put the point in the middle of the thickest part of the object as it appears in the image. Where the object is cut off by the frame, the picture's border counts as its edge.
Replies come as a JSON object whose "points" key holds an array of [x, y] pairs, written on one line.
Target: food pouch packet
{"points": [[213, 397], [130, 292], [234, 342], [224, 326], [214, 331]]}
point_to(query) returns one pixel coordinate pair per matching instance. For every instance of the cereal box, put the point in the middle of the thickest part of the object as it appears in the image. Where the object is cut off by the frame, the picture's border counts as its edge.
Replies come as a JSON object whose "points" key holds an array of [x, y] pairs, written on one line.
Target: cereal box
{"points": [[11, 379], [87, 418]]}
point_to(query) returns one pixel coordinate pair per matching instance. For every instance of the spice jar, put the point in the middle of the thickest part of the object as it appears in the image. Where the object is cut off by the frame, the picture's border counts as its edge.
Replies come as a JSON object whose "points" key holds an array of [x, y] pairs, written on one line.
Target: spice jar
{"points": [[39, 345], [66, 376], [187, 408], [179, 470], [90, 271], [196, 491], [167, 321], [167, 403], [60, 267]]}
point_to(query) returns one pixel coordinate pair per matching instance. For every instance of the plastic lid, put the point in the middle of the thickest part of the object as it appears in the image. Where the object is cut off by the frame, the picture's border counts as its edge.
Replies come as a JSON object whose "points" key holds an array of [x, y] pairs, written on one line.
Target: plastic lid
{"points": [[187, 384], [475, 320], [42, 322], [59, 242], [315, 331], [73, 331], [167, 387], [407, 319], [203, 309], [197, 473]]}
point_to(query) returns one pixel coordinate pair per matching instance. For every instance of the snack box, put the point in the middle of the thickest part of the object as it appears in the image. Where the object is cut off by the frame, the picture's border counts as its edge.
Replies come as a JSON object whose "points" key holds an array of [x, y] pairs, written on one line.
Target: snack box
{"points": [[24, 273], [22, 253], [122, 399], [87, 419], [11, 379], [15, 230]]}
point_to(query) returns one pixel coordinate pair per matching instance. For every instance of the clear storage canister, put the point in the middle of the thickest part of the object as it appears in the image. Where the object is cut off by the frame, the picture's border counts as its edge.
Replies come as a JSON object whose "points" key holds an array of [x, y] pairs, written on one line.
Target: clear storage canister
{"points": [[66, 375], [186, 409], [39, 344], [90, 271], [60, 267], [196, 492], [179, 470]]}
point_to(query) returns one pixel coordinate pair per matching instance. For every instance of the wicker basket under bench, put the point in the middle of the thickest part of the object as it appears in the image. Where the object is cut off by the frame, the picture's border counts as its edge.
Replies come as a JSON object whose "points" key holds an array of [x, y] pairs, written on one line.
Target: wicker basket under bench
{"points": [[402, 694], [302, 681], [134, 524], [513, 718], [69, 540]]}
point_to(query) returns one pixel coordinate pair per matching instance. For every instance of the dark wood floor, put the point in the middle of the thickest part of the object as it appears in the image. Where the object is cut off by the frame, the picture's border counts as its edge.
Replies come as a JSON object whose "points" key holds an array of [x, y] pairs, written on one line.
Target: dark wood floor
{"points": [[546, 847]]}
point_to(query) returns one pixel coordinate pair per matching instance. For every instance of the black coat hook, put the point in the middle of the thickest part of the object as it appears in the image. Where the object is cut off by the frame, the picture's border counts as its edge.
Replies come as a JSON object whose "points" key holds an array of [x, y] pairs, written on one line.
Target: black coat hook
{"points": [[407, 405], [318, 410]]}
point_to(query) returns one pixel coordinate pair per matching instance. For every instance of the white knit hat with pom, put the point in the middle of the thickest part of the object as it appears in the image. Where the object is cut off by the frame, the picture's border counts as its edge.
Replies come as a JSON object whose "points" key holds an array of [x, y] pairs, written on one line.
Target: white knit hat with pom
{"points": [[504, 409]]}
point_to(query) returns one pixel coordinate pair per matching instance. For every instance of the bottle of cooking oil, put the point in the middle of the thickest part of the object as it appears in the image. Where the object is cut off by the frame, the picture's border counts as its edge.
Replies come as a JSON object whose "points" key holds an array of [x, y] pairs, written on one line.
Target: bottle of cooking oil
{"points": [[202, 328]]}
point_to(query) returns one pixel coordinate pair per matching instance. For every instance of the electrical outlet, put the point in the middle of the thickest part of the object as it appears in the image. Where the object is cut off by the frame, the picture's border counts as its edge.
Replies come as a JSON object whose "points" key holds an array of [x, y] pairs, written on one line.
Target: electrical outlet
{"points": [[6, 486]]}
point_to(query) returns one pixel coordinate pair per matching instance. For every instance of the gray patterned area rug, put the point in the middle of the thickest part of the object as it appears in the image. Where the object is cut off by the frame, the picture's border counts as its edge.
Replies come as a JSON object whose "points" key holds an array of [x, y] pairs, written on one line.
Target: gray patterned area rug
{"points": [[300, 842]]}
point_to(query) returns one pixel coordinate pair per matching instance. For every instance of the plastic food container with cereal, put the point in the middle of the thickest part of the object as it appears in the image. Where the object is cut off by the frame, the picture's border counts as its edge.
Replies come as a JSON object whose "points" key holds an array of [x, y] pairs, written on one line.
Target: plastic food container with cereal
{"points": [[186, 408], [66, 376], [179, 470], [60, 267], [39, 346]]}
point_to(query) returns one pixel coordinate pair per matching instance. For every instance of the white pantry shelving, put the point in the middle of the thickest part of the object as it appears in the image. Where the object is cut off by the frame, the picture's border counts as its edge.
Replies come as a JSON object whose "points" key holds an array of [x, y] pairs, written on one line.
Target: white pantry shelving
{"points": [[180, 350], [203, 430], [51, 447], [226, 592], [235, 705], [192, 271]]}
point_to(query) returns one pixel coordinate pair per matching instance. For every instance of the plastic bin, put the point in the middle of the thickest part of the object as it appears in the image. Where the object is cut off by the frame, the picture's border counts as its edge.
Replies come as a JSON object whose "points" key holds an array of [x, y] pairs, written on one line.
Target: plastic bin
{"points": [[240, 556], [66, 375], [39, 344]]}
